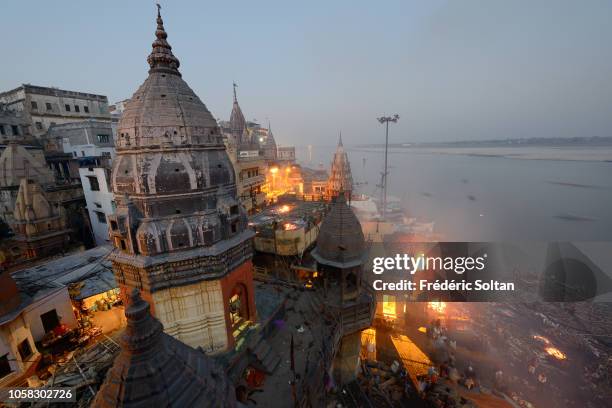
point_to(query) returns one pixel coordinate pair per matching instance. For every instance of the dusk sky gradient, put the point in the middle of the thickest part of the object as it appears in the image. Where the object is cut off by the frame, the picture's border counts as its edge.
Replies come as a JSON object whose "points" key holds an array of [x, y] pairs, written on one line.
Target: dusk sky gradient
{"points": [[453, 70]]}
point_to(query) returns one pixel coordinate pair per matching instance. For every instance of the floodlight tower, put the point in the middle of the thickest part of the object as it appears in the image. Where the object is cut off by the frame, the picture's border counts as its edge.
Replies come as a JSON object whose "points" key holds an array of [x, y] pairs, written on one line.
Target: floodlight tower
{"points": [[386, 120]]}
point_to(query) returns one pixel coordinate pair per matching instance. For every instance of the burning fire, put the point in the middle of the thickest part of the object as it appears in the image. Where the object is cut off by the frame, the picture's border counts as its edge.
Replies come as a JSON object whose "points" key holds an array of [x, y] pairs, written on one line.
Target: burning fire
{"points": [[556, 353], [285, 208], [542, 339], [439, 307], [289, 226]]}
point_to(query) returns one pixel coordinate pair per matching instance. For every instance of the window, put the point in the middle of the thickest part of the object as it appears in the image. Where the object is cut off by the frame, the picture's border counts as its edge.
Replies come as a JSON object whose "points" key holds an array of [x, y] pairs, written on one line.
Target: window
{"points": [[25, 350], [75, 154], [34, 105], [39, 125], [76, 108], [101, 217], [2, 131], [103, 138], [98, 205], [15, 130], [83, 153], [49, 107], [86, 109], [5, 367], [67, 108], [93, 183], [50, 320], [114, 225]]}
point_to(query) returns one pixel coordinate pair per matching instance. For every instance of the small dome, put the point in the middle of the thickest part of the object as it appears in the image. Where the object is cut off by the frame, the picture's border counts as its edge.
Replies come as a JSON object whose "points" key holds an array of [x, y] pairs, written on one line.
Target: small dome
{"points": [[340, 241], [154, 369]]}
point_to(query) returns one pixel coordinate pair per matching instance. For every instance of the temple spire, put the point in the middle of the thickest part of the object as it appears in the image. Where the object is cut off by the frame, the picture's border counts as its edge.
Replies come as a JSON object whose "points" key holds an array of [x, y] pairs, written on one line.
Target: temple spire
{"points": [[340, 139], [161, 58], [235, 97]]}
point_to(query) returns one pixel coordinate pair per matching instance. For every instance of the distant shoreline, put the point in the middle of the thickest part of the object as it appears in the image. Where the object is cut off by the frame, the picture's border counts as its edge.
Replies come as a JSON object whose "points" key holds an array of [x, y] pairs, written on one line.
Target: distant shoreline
{"points": [[556, 153]]}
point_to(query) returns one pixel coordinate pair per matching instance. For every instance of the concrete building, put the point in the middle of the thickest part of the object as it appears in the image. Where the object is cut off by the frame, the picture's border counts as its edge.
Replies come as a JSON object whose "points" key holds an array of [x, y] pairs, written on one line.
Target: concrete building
{"points": [[43, 107], [93, 288], [26, 315], [179, 230], [89, 138], [13, 126], [95, 175], [286, 153], [91, 144]]}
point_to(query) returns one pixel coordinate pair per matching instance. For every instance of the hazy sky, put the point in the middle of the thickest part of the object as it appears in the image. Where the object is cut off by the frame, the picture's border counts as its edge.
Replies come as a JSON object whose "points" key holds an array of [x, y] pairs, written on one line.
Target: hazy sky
{"points": [[451, 69]]}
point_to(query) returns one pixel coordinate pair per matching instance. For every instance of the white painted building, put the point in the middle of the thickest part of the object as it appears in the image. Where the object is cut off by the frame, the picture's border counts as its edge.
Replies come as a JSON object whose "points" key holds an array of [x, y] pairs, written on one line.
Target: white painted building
{"points": [[37, 313], [99, 198], [92, 144]]}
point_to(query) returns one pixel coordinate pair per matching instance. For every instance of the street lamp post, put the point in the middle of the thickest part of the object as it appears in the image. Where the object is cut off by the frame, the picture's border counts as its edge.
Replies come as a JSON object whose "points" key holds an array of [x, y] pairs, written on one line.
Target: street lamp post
{"points": [[386, 120]]}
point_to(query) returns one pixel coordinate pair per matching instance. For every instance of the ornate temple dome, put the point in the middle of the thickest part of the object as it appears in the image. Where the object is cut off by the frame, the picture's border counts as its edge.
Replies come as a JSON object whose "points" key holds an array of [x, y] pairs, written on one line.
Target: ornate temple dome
{"points": [[16, 163], [237, 121], [340, 177], [340, 242], [171, 163], [154, 369], [33, 215]]}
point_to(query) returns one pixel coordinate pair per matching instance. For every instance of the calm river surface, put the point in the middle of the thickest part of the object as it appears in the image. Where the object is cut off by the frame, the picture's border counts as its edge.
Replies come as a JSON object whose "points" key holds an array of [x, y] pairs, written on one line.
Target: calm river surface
{"points": [[472, 198]]}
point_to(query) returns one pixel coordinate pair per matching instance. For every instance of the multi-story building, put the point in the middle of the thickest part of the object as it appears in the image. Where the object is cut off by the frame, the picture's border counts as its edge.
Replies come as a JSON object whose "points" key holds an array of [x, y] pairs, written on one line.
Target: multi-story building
{"points": [[246, 155], [13, 126], [286, 153], [44, 107], [91, 145], [84, 139], [25, 317], [180, 233]]}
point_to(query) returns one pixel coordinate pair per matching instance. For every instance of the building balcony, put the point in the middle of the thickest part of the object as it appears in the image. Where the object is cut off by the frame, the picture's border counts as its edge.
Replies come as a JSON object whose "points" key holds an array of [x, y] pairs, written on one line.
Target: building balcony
{"points": [[253, 181]]}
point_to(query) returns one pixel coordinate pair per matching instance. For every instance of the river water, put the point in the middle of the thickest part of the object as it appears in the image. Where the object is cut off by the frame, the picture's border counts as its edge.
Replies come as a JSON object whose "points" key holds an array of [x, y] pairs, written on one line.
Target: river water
{"points": [[476, 198]]}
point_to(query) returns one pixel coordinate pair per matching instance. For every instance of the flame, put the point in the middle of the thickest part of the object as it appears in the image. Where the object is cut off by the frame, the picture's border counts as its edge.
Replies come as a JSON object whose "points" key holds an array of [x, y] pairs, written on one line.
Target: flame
{"points": [[541, 338], [423, 329], [556, 353], [289, 226], [285, 208], [439, 307]]}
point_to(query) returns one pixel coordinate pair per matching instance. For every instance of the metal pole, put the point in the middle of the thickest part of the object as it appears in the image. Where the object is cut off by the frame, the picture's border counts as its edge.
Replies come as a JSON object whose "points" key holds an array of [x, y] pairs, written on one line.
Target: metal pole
{"points": [[384, 201], [386, 120]]}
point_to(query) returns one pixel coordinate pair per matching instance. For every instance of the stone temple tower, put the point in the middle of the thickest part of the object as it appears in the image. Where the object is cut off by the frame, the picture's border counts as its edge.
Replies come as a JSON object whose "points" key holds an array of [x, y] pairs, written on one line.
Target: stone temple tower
{"points": [[180, 234], [340, 253], [340, 177]]}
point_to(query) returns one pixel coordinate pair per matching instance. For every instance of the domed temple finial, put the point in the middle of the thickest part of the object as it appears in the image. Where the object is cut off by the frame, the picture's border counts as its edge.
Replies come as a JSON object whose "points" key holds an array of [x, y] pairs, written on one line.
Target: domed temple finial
{"points": [[161, 58]]}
